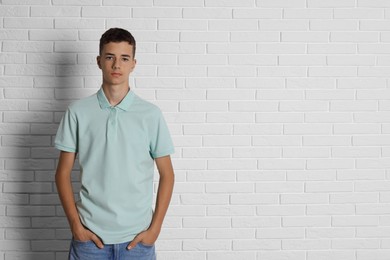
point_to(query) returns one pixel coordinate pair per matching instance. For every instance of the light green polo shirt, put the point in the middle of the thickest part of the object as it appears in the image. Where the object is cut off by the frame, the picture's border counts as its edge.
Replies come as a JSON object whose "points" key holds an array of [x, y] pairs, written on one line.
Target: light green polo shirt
{"points": [[116, 146]]}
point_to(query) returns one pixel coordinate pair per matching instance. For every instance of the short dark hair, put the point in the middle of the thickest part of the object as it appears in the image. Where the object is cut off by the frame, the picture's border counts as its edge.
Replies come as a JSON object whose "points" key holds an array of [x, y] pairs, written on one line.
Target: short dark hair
{"points": [[116, 35]]}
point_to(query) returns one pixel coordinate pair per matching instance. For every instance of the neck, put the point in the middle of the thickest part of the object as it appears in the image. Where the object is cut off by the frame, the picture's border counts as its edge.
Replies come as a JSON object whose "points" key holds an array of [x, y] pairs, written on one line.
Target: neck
{"points": [[115, 93]]}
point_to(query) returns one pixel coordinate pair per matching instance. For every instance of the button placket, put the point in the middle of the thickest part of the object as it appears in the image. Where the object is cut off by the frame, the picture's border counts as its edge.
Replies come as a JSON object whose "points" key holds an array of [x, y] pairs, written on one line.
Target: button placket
{"points": [[112, 122]]}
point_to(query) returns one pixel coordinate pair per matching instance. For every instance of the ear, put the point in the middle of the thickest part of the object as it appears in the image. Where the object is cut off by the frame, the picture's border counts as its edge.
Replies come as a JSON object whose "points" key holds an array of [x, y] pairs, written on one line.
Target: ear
{"points": [[98, 62], [134, 63]]}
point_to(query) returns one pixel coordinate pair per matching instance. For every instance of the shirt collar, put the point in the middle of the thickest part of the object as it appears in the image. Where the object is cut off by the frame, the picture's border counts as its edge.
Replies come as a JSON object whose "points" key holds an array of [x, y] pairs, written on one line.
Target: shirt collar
{"points": [[124, 104]]}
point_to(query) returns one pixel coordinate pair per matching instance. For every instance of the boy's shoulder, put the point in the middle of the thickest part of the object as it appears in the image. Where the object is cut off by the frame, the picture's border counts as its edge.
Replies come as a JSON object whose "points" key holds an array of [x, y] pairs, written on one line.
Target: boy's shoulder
{"points": [[144, 106], [83, 103]]}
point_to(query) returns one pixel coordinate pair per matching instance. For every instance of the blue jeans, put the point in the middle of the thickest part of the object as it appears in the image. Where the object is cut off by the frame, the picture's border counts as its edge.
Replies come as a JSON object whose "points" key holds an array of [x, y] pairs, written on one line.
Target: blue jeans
{"points": [[88, 250]]}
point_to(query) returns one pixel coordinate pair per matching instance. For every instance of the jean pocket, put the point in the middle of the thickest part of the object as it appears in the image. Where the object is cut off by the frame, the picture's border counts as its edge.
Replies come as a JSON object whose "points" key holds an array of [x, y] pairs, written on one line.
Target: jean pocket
{"points": [[146, 245]]}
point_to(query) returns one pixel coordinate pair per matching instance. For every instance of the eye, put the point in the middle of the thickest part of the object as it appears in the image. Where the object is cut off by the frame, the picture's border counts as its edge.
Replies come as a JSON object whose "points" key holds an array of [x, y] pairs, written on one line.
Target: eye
{"points": [[109, 57], [125, 59]]}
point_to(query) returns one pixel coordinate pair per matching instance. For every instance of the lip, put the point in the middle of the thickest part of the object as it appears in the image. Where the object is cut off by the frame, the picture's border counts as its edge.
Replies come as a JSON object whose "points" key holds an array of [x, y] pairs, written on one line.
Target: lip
{"points": [[115, 74]]}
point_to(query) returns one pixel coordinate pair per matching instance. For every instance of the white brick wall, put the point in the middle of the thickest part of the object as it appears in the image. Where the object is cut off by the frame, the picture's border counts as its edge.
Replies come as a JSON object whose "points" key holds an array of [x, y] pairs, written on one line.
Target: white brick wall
{"points": [[279, 110]]}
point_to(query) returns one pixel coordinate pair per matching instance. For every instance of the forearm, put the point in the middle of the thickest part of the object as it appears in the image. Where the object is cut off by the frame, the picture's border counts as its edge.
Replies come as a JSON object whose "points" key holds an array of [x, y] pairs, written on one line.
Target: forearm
{"points": [[65, 192], [164, 194]]}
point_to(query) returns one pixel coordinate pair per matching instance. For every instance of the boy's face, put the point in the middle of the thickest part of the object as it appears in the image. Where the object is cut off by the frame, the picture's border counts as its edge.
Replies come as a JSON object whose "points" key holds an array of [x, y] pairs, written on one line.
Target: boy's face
{"points": [[116, 62]]}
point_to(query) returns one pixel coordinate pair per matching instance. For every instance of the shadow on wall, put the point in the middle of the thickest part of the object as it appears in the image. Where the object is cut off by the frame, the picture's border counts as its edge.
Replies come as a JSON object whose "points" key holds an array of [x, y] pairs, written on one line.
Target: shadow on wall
{"points": [[36, 226]]}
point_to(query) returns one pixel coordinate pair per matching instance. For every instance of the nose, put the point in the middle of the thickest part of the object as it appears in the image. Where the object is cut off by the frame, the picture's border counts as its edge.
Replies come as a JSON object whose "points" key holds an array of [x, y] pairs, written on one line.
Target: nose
{"points": [[115, 64]]}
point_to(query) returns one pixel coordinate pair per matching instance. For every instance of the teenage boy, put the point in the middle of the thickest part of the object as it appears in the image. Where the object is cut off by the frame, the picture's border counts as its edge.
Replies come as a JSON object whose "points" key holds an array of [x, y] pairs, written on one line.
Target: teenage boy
{"points": [[118, 136]]}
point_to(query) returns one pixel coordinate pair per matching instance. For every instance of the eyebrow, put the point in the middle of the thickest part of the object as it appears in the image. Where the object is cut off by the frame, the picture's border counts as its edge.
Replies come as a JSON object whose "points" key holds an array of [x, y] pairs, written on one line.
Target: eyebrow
{"points": [[122, 55]]}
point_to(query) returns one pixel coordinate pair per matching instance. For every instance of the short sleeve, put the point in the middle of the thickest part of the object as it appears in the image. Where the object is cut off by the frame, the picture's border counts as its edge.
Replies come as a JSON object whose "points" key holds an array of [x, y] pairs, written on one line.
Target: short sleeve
{"points": [[66, 138], [160, 139]]}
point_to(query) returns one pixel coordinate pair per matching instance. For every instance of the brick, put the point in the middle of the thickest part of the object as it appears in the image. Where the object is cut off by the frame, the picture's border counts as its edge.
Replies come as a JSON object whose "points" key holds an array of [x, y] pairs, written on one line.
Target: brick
{"points": [[256, 244], [280, 48], [278, 118], [19, 233], [55, 11], [283, 25], [328, 186], [233, 48], [181, 71], [299, 244], [281, 3], [253, 199], [332, 48], [276, 140], [64, 23], [221, 117], [353, 221], [13, 199], [331, 254], [372, 232], [281, 71], [279, 187], [29, 117], [304, 37], [13, 222], [282, 254], [13, 34], [207, 13], [280, 233], [28, 23], [238, 210], [229, 3], [189, 59], [355, 197], [304, 198], [373, 3], [356, 129], [259, 222], [204, 199], [252, 36], [233, 25], [21, 187], [256, 152], [179, 3], [204, 37], [372, 48], [99, 11], [306, 221], [308, 13], [180, 233], [214, 222], [202, 245], [280, 210], [333, 25], [156, 12], [310, 83], [183, 25], [14, 11], [317, 175], [181, 48], [131, 3], [29, 70], [256, 175], [229, 187], [257, 13], [350, 61], [236, 233], [22, 46], [355, 152], [330, 232], [330, 210], [353, 37], [133, 24], [76, 2], [14, 245], [29, 255], [331, 4], [231, 71], [308, 129], [306, 152], [322, 117]]}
